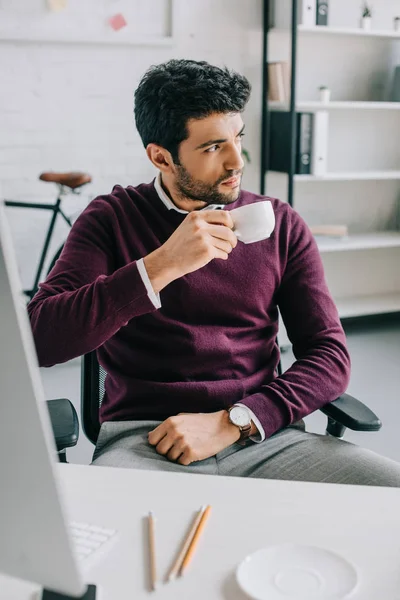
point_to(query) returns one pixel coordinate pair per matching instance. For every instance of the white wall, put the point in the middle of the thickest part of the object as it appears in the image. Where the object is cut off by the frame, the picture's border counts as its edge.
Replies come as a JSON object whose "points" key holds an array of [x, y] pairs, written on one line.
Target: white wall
{"points": [[70, 106]]}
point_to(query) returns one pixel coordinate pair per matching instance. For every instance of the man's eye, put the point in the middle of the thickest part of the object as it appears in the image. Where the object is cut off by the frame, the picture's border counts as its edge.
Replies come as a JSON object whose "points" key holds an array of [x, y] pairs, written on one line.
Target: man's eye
{"points": [[212, 148]]}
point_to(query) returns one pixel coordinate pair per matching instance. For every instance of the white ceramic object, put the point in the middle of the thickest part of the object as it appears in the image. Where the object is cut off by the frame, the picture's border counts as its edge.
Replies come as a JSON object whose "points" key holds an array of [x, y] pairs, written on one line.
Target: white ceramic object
{"points": [[366, 23], [325, 95], [253, 222], [296, 572]]}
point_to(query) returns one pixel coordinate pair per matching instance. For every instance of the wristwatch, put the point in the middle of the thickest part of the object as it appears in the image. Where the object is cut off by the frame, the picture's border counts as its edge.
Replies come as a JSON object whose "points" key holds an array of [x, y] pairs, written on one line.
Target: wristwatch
{"points": [[240, 416]]}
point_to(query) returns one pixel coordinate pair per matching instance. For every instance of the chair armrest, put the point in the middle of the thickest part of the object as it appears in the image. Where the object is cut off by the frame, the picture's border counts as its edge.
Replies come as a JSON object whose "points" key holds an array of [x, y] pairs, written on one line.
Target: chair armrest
{"points": [[64, 421], [352, 413]]}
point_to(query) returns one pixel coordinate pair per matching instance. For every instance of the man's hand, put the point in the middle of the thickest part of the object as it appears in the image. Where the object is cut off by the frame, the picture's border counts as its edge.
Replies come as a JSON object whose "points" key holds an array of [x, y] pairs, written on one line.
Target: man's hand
{"points": [[187, 438], [200, 238]]}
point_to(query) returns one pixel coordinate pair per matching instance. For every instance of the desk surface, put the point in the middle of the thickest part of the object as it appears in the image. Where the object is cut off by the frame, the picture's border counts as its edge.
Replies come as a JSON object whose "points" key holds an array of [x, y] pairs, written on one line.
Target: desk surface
{"points": [[360, 523]]}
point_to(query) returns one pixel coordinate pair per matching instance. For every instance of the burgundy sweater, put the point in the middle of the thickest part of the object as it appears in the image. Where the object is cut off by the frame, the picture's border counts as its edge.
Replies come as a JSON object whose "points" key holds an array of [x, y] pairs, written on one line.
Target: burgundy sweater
{"points": [[213, 341]]}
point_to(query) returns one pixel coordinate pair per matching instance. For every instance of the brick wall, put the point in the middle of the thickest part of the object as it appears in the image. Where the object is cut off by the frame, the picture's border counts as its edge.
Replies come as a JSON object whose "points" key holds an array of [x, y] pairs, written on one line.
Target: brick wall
{"points": [[70, 106]]}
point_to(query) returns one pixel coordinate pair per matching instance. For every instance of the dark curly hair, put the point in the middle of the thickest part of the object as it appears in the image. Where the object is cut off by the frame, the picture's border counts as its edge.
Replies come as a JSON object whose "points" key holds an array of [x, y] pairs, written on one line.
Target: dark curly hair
{"points": [[172, 93]]}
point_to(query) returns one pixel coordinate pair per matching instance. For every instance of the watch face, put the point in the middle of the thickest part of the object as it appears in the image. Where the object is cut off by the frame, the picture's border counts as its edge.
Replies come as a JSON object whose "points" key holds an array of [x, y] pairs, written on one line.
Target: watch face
{"points": [[240, 416]]}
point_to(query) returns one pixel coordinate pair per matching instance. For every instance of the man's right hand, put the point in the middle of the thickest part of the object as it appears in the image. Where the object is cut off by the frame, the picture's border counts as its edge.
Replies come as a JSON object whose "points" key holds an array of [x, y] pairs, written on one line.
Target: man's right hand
{"points": [[201, 237]]}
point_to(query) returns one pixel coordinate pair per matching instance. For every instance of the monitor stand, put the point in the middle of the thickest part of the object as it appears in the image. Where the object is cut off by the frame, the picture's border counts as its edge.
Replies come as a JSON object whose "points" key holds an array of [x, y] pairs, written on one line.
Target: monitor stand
{"points": [[90, 594]]}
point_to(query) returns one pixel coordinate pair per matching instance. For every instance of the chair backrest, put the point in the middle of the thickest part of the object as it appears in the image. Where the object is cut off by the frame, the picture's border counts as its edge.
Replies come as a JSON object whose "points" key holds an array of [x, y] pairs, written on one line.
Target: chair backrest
{"points": [[92, 393]]}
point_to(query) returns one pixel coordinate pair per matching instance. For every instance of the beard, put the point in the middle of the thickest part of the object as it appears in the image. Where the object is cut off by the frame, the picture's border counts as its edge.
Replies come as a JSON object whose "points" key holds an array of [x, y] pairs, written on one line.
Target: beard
{"points": [[194, 189]]}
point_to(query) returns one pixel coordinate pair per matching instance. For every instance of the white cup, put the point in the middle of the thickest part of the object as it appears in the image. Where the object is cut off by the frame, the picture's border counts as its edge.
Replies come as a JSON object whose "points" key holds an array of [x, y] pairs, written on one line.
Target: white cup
{"points": [[253, 222]]}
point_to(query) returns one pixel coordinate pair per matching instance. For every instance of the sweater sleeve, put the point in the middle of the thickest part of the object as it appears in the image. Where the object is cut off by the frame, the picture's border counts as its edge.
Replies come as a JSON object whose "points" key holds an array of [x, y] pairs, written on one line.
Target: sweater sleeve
{"points": [[85, 300], [321, 371]]}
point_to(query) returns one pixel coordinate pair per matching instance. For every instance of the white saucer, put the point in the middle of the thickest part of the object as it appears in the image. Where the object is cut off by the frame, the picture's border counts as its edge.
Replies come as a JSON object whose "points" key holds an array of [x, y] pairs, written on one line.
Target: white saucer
{"points": [[296, 572]]}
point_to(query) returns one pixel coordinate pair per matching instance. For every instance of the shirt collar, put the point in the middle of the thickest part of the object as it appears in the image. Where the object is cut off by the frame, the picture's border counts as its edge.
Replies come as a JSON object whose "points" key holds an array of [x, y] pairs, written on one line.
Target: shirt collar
{"points": [[171, 206]]}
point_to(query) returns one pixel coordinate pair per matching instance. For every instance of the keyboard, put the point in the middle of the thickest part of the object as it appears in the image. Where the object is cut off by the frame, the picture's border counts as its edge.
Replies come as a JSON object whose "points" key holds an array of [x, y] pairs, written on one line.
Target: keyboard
{"points": [[89, 539]]}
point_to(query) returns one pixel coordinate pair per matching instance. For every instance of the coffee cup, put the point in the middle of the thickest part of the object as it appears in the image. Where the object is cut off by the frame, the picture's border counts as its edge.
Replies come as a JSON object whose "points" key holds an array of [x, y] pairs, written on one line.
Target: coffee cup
{"points": [[253, 222]]}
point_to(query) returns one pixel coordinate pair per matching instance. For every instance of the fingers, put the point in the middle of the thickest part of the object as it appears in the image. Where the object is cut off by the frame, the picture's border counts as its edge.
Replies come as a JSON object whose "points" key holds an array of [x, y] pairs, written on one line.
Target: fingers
{"points": [[167, 440], [223, 233], [220, 254], [155, 436], [216, 217], [174, 449], [177, 449], [222, 245], [185, 458], [165, 445]]}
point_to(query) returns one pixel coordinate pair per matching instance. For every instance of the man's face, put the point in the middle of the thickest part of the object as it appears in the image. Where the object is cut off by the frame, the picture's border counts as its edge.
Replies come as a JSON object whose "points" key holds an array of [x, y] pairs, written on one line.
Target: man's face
{"points": [[209, 157]]}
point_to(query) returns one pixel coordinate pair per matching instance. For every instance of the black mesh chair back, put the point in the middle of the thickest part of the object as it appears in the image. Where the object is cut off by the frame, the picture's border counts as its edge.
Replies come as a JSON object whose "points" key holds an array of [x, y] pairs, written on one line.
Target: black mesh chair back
{"points": [[92, 393]]}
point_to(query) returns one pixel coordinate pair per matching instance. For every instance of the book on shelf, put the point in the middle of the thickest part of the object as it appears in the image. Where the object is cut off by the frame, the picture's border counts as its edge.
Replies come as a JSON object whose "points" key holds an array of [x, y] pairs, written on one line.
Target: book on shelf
{"points": [[307, 12], [280, 142], [395, 97], [278, 81], [304, 143], [322, 11], [320, 137], [271, 20], [312, 133], [336, 231]]}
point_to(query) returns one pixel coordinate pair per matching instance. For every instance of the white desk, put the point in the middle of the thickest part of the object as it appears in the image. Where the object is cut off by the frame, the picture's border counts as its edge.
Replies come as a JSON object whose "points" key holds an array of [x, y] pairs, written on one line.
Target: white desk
{"points": [[362, 524]]}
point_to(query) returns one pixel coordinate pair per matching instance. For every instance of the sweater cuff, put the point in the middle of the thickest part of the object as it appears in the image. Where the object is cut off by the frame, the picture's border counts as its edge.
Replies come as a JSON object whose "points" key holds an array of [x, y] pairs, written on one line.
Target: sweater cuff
{"points": [[267, 412], [260, 437], [128, 293], [155, 298]]}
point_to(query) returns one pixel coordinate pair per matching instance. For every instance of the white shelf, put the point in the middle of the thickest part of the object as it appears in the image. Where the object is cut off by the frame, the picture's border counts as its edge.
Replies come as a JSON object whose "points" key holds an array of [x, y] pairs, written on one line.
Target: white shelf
{"points": [[364, 241], [109, 38], [312, 106], [349, 31], [368, 305], [350, 176]]}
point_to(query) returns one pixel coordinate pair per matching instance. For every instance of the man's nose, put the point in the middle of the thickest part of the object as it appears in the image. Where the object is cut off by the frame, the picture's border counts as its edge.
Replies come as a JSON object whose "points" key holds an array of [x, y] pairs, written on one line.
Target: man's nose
{"points": [[234, 160]]}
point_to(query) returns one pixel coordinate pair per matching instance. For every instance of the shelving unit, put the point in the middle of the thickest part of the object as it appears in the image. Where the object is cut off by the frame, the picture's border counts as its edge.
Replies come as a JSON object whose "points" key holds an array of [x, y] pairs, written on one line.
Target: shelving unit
{"points": [[362, 269], [378, 304], [313, 106], [359, 241], [317, 30], [350, 176]]}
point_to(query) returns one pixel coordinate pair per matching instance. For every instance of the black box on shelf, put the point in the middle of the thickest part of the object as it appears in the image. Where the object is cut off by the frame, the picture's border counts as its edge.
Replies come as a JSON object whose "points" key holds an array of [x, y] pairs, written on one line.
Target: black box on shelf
{"points": [[322, 12], [280, 127]]}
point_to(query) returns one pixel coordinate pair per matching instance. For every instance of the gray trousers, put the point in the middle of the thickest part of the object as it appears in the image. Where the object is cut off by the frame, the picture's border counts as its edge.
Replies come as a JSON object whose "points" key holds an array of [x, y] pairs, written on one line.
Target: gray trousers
{"points": [[291, 454]]}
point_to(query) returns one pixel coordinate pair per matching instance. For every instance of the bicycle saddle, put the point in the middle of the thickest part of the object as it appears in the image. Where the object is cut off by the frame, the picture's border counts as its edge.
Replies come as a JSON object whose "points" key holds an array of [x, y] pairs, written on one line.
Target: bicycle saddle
{"points": [[72, 180]]}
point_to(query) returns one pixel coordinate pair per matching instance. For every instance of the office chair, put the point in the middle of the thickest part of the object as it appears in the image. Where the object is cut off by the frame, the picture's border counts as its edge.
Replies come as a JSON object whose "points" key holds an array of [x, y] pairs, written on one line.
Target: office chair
{"points": [[65, 425], [344, 412]]}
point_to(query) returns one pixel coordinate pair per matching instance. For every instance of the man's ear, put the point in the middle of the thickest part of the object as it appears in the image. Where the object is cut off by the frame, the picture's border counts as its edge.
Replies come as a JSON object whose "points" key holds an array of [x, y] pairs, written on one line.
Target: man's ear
{"points": [[160, 157]]}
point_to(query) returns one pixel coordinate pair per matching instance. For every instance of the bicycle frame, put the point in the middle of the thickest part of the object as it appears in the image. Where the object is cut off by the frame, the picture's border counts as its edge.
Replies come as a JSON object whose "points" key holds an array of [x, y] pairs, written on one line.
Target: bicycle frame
{"points": [[56, 210]]}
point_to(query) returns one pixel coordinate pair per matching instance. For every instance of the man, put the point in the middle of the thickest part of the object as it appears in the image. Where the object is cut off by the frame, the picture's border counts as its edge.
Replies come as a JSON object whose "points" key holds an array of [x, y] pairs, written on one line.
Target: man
{"points": [[184, 317]]}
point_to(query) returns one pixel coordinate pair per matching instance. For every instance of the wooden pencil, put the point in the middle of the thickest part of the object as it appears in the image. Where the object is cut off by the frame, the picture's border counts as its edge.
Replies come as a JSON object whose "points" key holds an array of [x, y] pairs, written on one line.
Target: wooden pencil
{"points": [[152, 551], [195, 540], [185, 546]]}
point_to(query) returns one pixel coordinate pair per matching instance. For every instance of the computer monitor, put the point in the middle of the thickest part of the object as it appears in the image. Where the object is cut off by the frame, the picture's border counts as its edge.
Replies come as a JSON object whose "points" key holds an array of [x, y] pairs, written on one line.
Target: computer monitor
{"points": [[34, 540]]}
